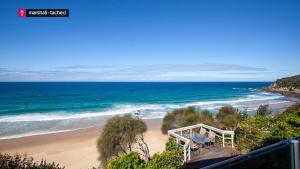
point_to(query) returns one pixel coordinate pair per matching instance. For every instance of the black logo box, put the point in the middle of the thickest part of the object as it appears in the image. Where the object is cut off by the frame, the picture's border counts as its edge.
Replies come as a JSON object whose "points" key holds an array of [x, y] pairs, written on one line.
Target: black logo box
{"points": [[47, 12]]}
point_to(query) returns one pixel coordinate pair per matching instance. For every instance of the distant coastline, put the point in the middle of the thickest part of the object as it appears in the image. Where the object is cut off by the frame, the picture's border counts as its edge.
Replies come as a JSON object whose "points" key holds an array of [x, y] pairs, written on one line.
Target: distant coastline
{"points": [[288, 86]]}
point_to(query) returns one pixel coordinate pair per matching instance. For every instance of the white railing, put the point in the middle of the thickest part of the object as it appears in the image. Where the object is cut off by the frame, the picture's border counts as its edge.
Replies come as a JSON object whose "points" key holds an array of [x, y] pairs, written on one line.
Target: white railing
{"points": [[186, 145], [178, 135]]}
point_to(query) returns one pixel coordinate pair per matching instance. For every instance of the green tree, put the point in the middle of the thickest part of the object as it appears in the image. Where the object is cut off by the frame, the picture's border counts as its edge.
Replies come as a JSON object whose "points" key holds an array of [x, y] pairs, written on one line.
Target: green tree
{"points": [[242, 115], [263, 110], [189, 117], [225, 111], [258, 131], [168, 123], [288, 82], [127, 161], [228, 116], [206, 117], [118, 136], [287, 124], [251, 133], [180, 118]]}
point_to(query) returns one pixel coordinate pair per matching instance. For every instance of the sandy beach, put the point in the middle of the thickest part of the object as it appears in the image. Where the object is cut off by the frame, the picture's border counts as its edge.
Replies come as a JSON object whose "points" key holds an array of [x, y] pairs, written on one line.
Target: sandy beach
{"points": [[75, 149]]}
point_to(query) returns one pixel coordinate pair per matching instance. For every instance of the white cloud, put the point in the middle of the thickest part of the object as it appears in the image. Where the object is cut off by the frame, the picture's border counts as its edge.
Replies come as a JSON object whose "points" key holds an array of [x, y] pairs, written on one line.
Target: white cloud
{"points": [[159, 72]]}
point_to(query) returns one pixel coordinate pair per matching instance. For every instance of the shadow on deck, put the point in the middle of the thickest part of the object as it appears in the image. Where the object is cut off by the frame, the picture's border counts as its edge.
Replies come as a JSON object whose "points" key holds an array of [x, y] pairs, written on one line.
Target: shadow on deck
{"points": [[208, 156]]}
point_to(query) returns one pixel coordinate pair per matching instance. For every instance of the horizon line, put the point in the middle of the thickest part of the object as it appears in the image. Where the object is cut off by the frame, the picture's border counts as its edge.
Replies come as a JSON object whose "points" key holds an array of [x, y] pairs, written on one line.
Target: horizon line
{"points": [[128, 81]]}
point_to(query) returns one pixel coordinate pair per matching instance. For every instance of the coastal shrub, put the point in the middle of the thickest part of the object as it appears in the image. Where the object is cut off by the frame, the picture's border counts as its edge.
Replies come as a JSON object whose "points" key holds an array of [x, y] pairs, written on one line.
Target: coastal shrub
{"points": [[253, 132], [258, 131], [118, 136], [225, 111], [228, 116], [292, 109], [190, 117], [180, 118], [206, 117], [127, 161], [168, 123], [242, 115], [171, 145], [171, 158], [287, 124], [263, 110], [166, 160], [18, 161]]}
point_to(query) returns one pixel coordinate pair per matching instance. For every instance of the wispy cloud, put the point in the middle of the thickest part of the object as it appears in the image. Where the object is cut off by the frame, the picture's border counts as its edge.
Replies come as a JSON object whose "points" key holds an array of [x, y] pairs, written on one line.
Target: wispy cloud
{"points": [[167, 67], [159, 72]]}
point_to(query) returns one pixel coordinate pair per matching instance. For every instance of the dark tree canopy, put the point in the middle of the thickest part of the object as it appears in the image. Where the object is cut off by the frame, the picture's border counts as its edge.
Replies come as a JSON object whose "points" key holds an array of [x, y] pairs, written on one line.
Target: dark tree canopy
{"points": [[118, 136], [228, 116], [263, 110], [289, 82], [180, 118], [206, 117], [184, 117]]}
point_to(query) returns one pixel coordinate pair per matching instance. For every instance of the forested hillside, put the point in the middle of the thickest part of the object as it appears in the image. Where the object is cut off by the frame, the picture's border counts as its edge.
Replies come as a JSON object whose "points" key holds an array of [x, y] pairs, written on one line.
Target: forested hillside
{"points": [[286, 86]]}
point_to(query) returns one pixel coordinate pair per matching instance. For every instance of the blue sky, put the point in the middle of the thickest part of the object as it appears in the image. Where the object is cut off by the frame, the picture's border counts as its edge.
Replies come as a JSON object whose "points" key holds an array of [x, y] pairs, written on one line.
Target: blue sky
{"points": [[153, 40]]}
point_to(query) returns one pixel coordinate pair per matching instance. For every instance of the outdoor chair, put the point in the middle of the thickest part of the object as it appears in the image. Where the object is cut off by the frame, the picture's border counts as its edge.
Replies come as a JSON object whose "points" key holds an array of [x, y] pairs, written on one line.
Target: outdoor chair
{"points": [[212, 138], [195, 147], [202, 131]]}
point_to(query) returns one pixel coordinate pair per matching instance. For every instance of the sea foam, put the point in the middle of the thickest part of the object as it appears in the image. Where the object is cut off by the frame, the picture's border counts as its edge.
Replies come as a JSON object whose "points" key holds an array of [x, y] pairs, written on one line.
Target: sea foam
{"points": [[36, 123]]}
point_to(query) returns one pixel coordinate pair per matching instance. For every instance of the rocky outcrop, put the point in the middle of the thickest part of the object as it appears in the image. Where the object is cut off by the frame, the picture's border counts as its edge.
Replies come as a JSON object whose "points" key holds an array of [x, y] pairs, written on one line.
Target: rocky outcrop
{"points": [[289, 86]]}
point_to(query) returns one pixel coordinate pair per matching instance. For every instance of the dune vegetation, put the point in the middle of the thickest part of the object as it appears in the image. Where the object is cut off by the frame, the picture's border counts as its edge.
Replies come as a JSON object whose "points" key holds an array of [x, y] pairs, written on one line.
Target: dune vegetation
{"points": [[122, 145], [18, 161]]}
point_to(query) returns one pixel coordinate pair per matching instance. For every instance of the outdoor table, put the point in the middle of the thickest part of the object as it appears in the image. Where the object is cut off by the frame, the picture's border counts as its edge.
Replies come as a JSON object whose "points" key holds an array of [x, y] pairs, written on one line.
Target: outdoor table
{"points": [[200, 139]]}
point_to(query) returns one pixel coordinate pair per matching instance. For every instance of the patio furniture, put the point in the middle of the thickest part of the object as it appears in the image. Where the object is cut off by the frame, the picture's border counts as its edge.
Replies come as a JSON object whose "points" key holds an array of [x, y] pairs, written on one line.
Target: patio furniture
{"points": [[200, 139], [202, 131], [194, 130], [195, 147], [186, 135], [212, 138]]}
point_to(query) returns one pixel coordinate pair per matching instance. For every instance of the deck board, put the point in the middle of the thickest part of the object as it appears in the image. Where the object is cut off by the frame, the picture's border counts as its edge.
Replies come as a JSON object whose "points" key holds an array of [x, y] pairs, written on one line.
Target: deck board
{"points": [[209, 156]]}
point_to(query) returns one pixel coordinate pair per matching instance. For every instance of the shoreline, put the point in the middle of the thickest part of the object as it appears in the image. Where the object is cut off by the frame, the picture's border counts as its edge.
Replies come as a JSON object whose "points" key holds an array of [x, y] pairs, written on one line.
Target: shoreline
{"points": [[277, 106], [75, 149], [291, 100]]}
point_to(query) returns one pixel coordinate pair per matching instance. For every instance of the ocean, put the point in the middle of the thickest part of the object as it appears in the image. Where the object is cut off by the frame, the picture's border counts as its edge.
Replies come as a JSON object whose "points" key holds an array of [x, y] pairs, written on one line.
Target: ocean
{"points": [[32, 108]]}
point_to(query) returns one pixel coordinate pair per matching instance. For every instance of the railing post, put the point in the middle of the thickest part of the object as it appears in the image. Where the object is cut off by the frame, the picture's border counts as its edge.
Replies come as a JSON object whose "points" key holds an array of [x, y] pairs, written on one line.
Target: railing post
{"points": [[295, 157], [184, 154], [232, 140], [223, 140], [189, 152]]}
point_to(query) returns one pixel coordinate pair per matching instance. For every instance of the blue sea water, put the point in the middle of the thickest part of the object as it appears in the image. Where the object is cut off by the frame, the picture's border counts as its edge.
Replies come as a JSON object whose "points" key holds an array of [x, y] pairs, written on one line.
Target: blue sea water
{"points": [[35, 108]]}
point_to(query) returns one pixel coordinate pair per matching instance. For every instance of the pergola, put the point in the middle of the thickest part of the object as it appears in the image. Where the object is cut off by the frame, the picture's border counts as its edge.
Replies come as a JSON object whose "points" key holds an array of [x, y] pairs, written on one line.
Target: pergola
{"points": [[184, 135]]}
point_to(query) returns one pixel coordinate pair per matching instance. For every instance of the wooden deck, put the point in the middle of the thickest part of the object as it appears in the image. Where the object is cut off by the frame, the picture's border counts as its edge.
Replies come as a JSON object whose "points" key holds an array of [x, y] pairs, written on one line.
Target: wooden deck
{"points": [[183, 137], [208, 156]]}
